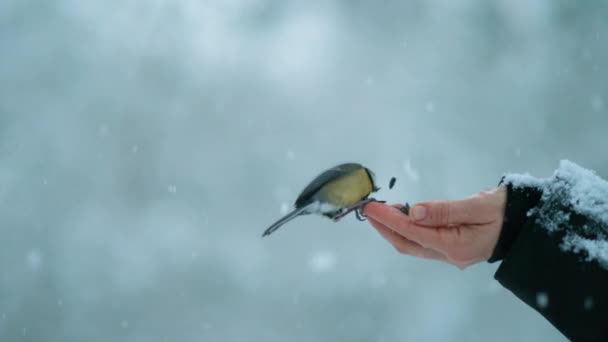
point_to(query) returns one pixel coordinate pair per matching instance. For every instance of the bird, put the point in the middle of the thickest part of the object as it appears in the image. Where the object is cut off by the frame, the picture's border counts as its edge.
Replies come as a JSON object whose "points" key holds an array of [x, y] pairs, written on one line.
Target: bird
{"points": [[334, 193]]}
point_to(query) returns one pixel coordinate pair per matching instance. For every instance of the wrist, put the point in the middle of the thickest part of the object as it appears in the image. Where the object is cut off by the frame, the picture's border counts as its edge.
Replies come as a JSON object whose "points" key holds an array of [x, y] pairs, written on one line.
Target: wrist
{"points": [[519, 200]]}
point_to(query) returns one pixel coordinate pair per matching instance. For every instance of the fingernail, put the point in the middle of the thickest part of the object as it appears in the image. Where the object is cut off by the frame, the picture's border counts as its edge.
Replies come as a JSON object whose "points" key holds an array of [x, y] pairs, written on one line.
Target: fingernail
{"points": [[418, 212]]}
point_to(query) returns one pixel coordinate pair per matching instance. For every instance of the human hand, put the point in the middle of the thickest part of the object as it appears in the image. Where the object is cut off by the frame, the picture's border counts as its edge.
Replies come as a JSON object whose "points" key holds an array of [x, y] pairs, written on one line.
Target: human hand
{"points": [[461, 232]]}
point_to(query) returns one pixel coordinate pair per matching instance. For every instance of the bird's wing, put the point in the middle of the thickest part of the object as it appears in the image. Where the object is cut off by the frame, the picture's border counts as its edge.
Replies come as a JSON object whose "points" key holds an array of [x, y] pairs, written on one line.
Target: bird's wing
{"points": [[322, 179]]}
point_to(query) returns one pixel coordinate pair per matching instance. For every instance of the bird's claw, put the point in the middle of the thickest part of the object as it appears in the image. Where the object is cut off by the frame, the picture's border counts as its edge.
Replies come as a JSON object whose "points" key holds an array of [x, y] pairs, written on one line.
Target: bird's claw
{"points": [[357, 208], [360, 215]]}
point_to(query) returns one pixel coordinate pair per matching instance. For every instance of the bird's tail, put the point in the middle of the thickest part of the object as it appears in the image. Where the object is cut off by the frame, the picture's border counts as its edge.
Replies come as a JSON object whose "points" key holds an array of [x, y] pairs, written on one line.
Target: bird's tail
{"points": [[293, 214]]}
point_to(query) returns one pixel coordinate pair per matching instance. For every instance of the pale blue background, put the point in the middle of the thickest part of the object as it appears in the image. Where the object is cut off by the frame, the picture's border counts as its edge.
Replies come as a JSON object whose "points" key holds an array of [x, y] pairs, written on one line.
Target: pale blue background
{"points": [[145, 145]]}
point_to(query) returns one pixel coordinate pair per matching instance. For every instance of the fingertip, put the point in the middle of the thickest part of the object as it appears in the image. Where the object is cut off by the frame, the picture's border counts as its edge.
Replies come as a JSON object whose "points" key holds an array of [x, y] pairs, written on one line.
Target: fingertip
{"points": [[372, 209]]}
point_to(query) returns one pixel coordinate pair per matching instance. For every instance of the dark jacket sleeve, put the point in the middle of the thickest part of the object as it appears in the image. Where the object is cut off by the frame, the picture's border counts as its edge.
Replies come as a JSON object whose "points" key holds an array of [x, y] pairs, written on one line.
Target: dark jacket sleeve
{"points": [[567, 288]]}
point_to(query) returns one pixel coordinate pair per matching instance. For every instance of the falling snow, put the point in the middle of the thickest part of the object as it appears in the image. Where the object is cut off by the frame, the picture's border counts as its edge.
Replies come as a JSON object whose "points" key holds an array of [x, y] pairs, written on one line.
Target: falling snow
{"points": [[542, 300], [103, 131], [34, 259], [290, 155], [411, 173], [285, 208], [493, 287], [597, 103], [588, 303], [378, 281], [322, 261]]}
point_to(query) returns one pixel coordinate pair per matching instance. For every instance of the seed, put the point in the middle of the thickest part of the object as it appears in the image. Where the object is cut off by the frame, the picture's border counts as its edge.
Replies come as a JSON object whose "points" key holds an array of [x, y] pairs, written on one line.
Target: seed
{"points": [[391, 184]]}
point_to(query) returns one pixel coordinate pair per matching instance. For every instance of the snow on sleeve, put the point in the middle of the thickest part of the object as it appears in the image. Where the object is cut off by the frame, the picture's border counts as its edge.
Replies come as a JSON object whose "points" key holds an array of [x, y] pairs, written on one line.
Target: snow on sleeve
{"points": [[595, 249], [572, 190], [588, 192], [524, 180]]}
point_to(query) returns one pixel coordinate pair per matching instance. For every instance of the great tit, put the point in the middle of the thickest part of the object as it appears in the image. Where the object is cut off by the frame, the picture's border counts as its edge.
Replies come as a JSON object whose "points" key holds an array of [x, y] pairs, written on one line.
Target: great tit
{"points": [[333, 194]]}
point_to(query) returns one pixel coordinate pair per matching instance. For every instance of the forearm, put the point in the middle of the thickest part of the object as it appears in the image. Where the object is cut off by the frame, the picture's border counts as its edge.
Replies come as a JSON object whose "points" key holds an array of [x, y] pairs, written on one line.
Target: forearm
{"points": [[541, 268]]}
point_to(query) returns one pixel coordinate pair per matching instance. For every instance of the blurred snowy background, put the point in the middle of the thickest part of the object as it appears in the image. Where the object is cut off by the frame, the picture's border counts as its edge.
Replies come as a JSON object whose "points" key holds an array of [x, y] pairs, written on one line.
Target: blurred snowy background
{"points": [[145, 146]]}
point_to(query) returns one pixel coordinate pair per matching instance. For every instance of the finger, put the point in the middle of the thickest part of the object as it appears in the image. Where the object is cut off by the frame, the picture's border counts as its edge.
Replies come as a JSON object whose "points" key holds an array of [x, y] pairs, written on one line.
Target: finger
{"points": [[405, 246], [445, 213], [395, 220], [396, 205], [374, 207]]}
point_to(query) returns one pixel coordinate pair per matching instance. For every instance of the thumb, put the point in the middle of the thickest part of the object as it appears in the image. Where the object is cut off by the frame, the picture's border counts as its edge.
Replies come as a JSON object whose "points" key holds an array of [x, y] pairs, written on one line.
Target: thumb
{"points": [[444, 213]]}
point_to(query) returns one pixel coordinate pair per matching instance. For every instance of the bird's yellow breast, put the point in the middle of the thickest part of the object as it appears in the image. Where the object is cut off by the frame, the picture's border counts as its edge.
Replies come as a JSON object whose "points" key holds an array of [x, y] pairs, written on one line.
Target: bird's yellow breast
{"points": [[348, 189]]}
